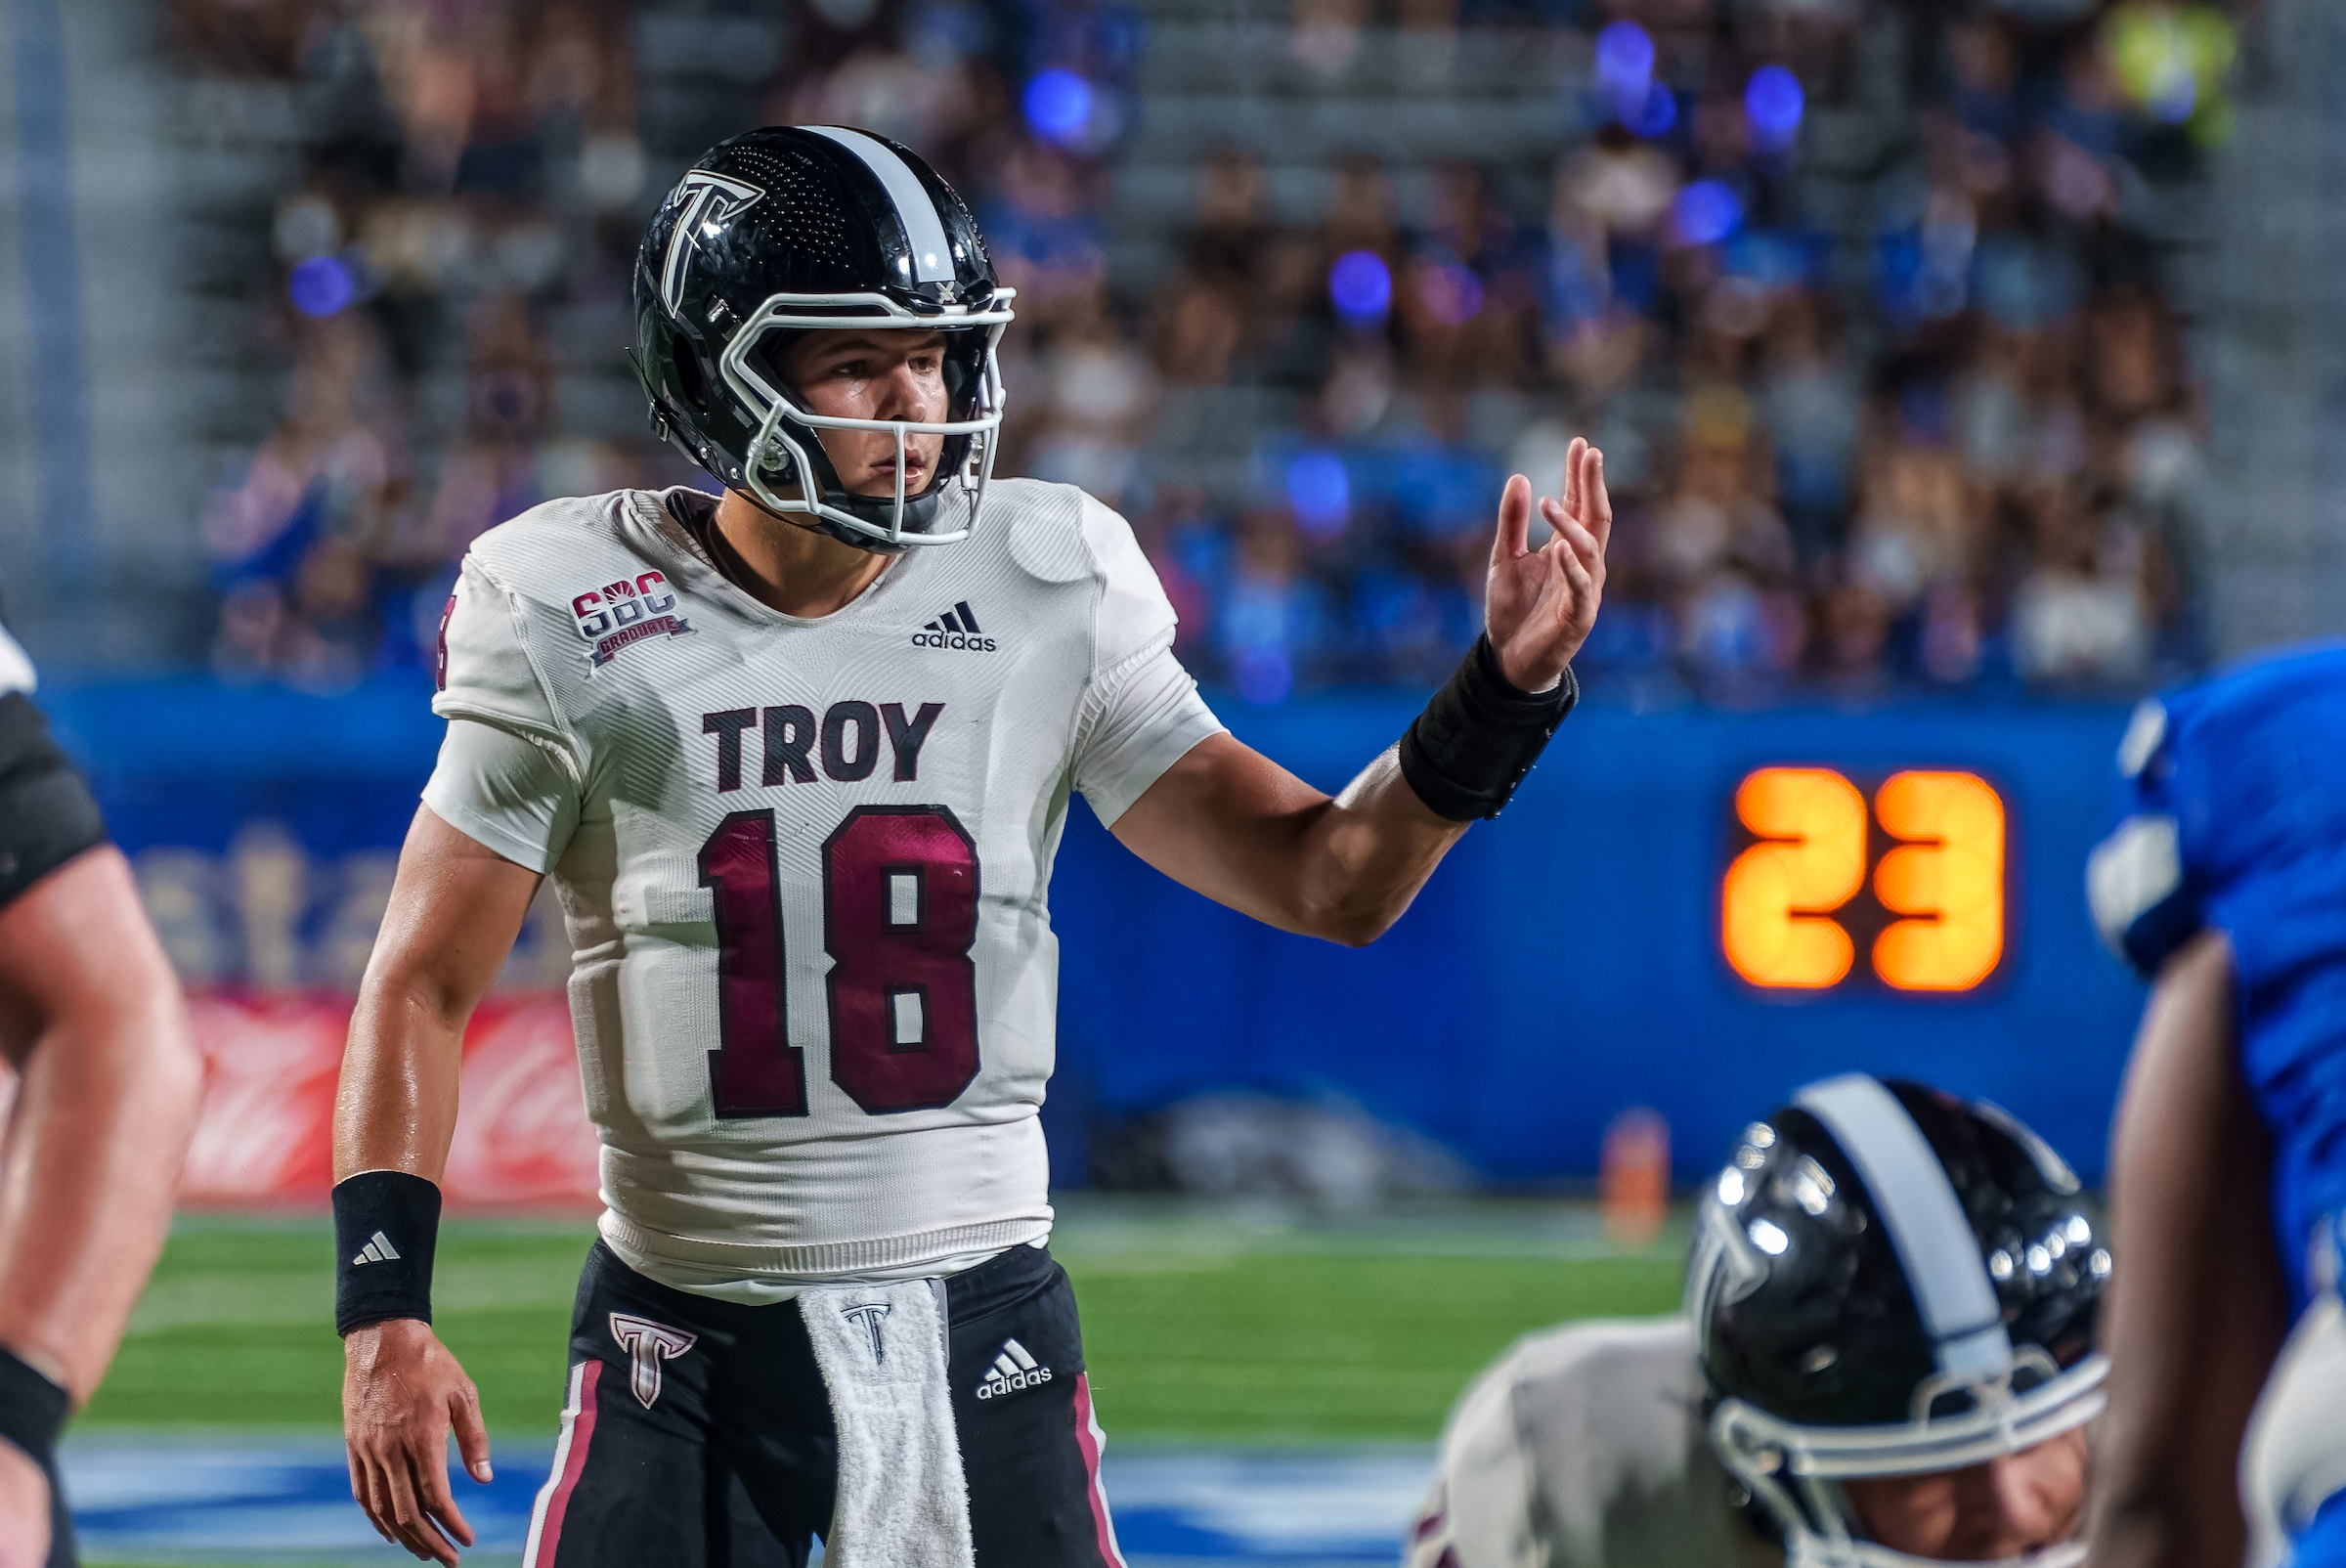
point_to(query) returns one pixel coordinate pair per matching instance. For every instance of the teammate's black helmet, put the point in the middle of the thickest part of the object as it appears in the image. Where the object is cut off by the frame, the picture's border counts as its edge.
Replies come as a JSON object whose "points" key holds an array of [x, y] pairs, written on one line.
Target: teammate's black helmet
{"points": [[794, 229], [1887, 1280]]}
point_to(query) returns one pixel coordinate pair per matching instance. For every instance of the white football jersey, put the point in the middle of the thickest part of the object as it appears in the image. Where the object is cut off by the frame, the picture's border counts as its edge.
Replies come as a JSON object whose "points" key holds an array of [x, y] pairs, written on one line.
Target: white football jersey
{"points": [[1584, 1447], [804, 863]]}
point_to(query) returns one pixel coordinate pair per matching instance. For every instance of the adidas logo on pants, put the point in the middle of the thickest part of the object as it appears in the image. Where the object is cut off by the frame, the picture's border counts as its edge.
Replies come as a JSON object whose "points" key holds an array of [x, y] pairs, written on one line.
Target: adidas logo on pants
{"points": [[1013, 1370]]}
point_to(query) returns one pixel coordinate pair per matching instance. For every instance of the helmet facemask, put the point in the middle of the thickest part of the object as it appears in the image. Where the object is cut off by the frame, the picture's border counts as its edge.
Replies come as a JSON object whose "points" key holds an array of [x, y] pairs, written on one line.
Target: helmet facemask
{"points": [[786, 467], [1794, 1473]]}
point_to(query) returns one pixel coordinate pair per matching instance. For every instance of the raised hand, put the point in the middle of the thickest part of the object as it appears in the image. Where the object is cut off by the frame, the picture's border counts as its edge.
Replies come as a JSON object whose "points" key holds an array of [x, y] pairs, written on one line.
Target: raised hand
{"points": [[1540, 603]]}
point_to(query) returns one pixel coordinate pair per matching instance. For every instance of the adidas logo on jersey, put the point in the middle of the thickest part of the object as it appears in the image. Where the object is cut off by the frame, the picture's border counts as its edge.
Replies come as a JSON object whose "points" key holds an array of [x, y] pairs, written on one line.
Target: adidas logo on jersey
{"points": [[1013, 1370], [957, 628], [379, 1249]]}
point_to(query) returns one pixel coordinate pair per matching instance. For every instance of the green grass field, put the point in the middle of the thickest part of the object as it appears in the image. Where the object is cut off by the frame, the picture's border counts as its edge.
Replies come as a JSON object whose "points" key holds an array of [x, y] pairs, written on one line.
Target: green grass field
{"points": [[1249, 1325]]}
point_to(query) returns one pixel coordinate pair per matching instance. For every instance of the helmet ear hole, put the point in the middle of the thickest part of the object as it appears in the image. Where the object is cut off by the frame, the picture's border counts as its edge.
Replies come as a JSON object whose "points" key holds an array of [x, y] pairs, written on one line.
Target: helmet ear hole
{"points": [[689, 380], [964, 372]]}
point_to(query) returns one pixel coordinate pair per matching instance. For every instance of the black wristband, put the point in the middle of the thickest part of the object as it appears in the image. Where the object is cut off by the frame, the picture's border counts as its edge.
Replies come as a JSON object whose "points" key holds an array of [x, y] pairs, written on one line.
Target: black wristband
{"points": [[32, 1408], [386, 1223], [1465, 754]]}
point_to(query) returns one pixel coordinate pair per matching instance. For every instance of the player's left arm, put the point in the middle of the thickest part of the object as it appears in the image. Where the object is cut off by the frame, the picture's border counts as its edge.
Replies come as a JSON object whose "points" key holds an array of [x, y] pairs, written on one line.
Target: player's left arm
{"points": [[2197, 1308], [1236, 826]]}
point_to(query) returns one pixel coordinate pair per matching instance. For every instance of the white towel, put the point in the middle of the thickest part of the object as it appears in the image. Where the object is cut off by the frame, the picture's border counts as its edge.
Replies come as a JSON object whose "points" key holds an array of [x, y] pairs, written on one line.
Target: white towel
{"points": [[902, 1499]]}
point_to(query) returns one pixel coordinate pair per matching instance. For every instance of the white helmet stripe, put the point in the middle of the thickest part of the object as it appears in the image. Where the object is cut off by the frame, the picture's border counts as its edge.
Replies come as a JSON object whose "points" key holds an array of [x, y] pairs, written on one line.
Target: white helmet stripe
{"points": [[924, 230], [1933, 1240]]}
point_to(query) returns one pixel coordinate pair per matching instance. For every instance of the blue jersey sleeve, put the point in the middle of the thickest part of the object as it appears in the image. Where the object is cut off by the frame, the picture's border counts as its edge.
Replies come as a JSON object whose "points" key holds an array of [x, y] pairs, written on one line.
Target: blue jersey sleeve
{"points": [[2142, 893]]}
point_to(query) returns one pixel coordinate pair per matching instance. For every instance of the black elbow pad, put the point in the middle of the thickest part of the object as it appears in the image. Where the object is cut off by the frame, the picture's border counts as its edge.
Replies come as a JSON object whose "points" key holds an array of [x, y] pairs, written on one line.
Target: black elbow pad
{"points": [[47, 816]]}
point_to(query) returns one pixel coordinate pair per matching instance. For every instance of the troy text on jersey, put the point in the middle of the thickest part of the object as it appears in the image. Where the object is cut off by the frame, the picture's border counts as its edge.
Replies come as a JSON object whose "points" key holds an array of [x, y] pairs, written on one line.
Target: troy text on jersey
{"points": [[846, 741]]}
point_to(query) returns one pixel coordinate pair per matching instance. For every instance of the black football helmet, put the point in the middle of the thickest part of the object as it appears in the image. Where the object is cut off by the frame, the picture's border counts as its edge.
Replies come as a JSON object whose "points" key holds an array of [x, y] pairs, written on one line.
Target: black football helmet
{"points": [[1889, 1281], [799, 229]]}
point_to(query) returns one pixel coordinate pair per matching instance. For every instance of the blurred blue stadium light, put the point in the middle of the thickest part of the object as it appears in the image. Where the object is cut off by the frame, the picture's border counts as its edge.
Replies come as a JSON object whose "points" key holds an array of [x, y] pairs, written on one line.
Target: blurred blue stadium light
{"points": [[1321, 493], [321, 286], [1625, 58], [1704, 213], [1361, 287], [1059, 105], [1772, 105], [1624, 68]]}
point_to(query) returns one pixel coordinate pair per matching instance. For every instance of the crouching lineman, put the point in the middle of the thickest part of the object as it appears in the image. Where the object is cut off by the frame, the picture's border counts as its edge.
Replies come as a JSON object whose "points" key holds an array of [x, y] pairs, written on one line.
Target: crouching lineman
{"points": [[797, 759], [2225, 886], [92, 1022], [1887, 1358]]}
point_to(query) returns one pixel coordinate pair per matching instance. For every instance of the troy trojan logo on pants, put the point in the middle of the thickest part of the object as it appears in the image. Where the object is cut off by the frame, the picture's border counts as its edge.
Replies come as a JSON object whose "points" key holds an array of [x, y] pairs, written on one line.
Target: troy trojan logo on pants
{"points": [[649, 1345]]}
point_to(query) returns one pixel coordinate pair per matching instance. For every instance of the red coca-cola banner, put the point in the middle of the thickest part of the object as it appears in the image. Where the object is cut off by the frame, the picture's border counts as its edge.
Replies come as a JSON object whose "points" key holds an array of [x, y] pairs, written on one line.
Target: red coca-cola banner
{"points": [[266, 1136]]}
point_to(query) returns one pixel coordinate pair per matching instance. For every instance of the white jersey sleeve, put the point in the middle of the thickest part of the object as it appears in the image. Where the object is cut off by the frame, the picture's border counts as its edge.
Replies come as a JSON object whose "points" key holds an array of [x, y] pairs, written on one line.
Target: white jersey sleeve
{"points": [[1141, 713], [506, 791], [1143, 718], [511, 766], [491, 672], [1584, 1447]]}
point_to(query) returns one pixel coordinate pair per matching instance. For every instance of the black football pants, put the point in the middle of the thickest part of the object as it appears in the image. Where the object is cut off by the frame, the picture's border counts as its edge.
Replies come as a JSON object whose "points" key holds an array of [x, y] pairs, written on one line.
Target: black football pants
{"points": [[731, 1461]]}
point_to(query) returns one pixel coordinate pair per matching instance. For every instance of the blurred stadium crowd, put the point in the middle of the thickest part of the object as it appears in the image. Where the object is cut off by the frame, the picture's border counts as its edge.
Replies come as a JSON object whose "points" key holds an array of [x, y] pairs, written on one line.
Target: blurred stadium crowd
{"points": [[1868, 303]]}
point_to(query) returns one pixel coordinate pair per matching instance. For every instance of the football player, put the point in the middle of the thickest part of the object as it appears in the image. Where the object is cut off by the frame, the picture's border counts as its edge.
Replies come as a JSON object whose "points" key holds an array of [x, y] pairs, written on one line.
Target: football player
{"points": [[107, 1080], [2225, 884], [797, 759], [1887, 1358]]}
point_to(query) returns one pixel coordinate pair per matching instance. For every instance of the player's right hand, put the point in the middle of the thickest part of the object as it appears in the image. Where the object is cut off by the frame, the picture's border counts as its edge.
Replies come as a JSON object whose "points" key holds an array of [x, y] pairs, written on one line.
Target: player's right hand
{"points": [[24, 1511], [401, 1393]]}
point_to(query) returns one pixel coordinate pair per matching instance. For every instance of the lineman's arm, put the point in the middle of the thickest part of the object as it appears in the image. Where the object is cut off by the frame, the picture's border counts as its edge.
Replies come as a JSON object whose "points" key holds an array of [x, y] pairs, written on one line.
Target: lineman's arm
{"points": [[2197, 1308], [92, 1022], [456, 908], [1231, 824], [91, 1016]]}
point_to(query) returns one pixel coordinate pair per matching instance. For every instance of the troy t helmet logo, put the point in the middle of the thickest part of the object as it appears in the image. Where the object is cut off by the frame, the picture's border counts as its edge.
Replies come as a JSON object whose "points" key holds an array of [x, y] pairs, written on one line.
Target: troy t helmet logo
{"points": [[648, 1344], [710, 199]]}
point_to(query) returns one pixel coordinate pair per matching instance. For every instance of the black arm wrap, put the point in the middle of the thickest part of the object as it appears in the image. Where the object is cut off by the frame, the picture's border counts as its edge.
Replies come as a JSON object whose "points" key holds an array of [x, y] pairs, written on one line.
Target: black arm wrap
{"points": [[374, 1280], [46, 814], [1465, 754], [31, 1409]]}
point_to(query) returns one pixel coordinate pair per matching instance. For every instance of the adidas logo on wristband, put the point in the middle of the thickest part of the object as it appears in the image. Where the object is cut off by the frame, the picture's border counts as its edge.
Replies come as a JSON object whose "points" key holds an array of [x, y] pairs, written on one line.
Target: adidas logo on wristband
{"points": [[379, 1249]]}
